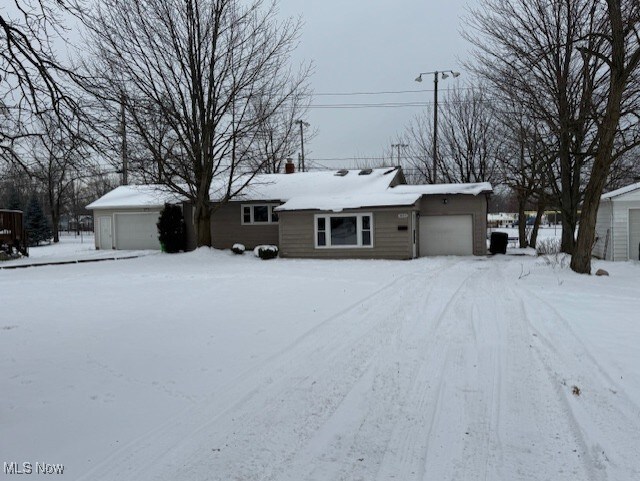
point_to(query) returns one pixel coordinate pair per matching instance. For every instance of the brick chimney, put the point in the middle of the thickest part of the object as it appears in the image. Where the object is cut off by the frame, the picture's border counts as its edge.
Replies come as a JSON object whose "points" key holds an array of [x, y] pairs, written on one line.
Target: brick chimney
{"points": [[289, 167]]}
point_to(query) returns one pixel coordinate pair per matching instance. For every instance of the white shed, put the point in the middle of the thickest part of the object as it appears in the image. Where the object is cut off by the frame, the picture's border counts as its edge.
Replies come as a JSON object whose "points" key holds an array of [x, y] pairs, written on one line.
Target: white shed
{"points": [[618, 225], [126, 217]]}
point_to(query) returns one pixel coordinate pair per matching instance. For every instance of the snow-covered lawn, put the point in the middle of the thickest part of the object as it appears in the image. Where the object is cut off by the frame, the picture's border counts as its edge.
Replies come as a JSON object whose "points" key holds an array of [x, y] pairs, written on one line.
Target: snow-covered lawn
{"points": [[71, 247], [211, 366]]}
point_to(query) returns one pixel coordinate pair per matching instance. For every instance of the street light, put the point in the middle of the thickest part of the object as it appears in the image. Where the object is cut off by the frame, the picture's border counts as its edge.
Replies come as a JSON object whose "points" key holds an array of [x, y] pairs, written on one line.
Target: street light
{"points": [[444, 74], [399, 146]]}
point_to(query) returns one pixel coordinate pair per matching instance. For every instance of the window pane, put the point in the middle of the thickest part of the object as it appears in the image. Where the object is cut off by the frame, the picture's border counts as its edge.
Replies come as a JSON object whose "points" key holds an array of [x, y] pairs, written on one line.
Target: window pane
{"points": [[344, 231], [366, 237], [260, 213], [246, 215], [321, 223], [274, 215], [366, 222], [322, 239]]}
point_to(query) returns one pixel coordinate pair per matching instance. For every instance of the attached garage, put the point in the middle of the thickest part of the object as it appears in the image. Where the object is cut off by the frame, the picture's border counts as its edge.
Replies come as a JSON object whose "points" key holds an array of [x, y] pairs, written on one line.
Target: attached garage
{"points": [[126, 217], [404, 222], [618, 225], [446, 235]]}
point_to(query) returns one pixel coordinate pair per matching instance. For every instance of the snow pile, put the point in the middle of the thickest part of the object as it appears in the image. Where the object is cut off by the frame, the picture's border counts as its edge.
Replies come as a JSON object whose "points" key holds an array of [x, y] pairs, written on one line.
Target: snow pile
{"points": [[266, 252], [445, 189], [337, 204]]}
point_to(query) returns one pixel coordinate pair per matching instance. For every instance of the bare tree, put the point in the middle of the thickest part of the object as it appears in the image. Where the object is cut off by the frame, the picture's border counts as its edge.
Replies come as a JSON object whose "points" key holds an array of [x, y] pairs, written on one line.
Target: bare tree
{"points": [[527, 50], [523, 159], [468, 147], [54, 159], [618, 47], [201, 65], [32, 79]]}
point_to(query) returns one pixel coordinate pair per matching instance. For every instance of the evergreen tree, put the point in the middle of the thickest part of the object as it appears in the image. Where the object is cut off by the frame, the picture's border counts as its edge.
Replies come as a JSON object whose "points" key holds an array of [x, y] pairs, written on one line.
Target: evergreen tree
{"points": [[13, 202], [38, 228], [171, 229]]}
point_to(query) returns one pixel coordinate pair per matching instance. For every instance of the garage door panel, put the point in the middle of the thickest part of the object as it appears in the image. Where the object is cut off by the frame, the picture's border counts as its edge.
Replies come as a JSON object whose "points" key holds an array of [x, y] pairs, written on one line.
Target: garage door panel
{"points": [[446, 235], [137, 231]]}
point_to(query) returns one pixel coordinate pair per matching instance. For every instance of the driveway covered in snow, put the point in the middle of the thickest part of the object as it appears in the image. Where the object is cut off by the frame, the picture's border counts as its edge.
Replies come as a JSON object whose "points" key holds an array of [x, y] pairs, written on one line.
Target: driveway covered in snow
{"points": [[212, 366]]}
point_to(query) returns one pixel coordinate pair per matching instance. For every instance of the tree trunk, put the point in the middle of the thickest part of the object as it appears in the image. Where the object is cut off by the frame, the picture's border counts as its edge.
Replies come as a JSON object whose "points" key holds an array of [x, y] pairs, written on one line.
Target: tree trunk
{"points": [[568, 240], [581, 258], [203, 222], [55, 221], [522, 223], [536, 224]]}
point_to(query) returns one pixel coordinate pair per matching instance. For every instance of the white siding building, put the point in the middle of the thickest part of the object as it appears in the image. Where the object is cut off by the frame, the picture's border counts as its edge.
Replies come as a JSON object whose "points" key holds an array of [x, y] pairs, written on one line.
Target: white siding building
{"points": [[618, 225]]}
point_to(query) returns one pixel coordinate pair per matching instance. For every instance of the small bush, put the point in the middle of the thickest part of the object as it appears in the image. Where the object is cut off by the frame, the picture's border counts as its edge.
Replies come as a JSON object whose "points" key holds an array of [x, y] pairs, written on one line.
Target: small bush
{"points": [[171, 229], [238, 249], [549, 246], [266, 252]]}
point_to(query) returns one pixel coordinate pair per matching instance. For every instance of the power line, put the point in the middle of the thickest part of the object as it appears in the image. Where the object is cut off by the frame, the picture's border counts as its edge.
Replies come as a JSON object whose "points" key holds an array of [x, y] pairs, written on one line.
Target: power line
{"points": [[394, 104], [379, 92]]}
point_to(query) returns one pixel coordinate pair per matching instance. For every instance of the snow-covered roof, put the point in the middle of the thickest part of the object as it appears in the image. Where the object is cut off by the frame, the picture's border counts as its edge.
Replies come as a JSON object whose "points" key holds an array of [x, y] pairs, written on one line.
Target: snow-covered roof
{"points": [[324, 183], [136, 196], [621, 191], [278, 187], [445, 189], [326, 190], [355, 201]]}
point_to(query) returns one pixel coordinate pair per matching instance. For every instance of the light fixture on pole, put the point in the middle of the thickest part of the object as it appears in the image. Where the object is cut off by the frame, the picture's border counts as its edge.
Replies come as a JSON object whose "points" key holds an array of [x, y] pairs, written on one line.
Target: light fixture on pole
{"points": [[399, 146], [444, 74], [302, 125]]}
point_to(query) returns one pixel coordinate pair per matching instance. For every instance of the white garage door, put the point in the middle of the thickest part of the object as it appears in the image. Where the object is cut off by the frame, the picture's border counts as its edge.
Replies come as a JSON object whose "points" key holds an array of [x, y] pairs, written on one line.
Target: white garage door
{"points": [[137, 231], [442, 235], [634, 233]]}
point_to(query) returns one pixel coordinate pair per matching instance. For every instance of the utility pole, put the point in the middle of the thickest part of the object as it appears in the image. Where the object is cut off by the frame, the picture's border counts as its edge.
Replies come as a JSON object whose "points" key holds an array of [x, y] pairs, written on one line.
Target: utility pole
{"points": [[445, 74], [302, 125], [435, 127], [399, 146], [123, 132]]}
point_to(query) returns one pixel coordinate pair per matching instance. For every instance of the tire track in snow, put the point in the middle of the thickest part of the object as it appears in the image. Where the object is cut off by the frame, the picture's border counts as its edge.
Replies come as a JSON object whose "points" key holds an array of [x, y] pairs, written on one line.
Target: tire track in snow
{"points": [[604, 419], [148, 451]]}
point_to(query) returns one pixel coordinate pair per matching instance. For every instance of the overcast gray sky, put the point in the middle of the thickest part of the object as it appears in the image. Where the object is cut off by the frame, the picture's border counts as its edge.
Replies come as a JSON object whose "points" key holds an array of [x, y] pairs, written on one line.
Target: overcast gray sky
{"points": [[373, 45]]}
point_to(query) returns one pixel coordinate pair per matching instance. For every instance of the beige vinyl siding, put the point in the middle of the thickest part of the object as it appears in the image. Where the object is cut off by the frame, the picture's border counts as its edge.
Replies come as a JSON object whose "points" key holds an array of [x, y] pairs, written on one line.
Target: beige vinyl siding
{"points": [[227, 228], [297, 235], [475, 205], [603, 225]]}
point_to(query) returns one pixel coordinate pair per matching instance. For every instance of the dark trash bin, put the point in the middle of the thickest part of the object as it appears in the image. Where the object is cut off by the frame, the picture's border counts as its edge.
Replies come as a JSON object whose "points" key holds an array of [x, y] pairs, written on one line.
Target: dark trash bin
{"points": [[499, 241]]}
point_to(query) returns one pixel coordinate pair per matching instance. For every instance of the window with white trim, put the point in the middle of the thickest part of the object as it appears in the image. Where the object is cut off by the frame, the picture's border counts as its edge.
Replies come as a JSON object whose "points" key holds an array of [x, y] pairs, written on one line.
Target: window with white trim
{"points": [[257, 214], [343, 231]]}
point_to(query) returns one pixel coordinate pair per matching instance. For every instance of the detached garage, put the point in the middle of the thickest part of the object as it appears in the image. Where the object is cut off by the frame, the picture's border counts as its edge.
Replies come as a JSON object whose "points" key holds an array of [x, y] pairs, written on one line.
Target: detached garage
{"points": [[126, 217], [618, 225]]}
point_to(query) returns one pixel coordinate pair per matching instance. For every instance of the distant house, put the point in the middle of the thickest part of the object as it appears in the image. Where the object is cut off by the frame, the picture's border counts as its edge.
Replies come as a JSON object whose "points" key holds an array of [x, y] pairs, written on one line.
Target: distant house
{"points": [[368, 213], [618, 225]]}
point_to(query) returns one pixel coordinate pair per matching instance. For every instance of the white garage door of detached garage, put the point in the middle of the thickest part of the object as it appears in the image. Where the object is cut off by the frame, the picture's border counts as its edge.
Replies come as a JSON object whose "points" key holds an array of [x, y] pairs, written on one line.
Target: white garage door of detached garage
{"points": [[137, 231], [446, 235]]}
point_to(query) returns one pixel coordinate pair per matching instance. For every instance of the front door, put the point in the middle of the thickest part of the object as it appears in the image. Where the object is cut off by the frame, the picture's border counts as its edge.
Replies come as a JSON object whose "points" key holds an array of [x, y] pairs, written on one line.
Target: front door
{"points": [[106, 236]]}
